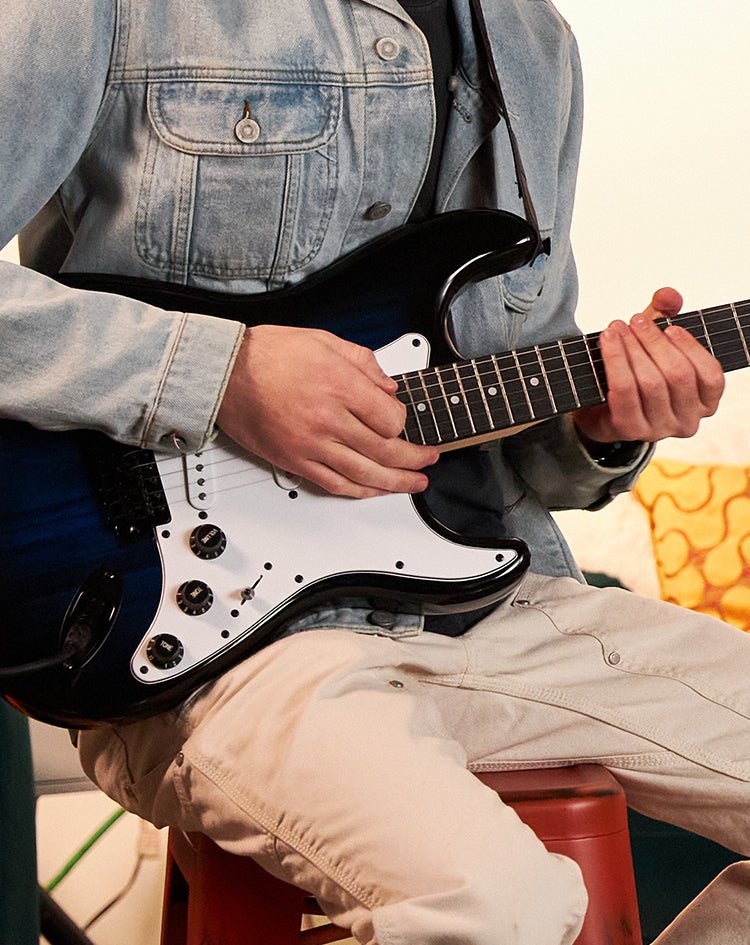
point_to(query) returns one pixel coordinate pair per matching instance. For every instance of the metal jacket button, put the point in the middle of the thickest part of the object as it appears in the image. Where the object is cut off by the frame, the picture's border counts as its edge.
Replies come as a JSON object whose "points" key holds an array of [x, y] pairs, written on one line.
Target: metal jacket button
{"points": [[247, 130], [387, 48], [381, 618], [378, 210]]}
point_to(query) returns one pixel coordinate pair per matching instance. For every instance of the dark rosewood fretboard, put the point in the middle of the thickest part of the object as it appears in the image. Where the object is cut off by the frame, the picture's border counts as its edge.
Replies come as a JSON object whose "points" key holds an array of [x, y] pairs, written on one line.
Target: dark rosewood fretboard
{"points": [[471, 399]]}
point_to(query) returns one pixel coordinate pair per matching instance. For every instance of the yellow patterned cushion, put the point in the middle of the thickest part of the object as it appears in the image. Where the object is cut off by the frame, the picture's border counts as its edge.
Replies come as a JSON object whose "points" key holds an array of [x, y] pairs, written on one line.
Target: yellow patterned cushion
{"points": [[700, 528]]}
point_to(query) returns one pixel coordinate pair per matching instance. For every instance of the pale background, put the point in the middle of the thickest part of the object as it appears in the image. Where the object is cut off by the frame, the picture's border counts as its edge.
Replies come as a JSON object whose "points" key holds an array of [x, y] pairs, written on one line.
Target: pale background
{"points": [[664, 199]]}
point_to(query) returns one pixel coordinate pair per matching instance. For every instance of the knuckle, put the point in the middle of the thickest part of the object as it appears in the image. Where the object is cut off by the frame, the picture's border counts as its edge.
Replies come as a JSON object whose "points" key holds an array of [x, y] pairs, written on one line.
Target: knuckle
{"points": [[676, 375], [652, 387]]}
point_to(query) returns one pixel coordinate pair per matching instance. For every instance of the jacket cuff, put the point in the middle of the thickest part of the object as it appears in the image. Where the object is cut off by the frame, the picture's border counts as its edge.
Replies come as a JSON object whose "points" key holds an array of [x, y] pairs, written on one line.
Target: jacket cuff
{"points": [[192, 384], [553, 461]]}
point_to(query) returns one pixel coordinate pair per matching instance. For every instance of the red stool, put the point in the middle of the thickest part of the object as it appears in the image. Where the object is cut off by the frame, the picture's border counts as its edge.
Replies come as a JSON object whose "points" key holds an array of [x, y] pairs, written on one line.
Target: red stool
{"points": [[216, 898]]}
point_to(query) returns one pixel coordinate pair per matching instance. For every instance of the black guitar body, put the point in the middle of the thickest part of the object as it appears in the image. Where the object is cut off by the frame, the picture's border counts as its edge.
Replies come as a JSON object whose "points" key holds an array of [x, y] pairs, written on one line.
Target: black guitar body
{"points": [[87, 523]]}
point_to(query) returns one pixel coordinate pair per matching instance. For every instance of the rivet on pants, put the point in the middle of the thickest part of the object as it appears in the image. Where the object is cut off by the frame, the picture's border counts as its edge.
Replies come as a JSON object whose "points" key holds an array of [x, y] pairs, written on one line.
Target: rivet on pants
{"points": [[396, 683], [614, 658]]}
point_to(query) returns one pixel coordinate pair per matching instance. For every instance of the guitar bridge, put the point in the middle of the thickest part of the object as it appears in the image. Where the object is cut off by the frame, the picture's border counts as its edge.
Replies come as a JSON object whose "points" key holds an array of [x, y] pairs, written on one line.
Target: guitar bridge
{"points": [[131, 493]]}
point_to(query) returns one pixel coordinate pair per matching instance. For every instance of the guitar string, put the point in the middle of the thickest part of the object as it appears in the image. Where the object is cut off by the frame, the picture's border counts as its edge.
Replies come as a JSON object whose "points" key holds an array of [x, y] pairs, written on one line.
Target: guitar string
{"points": [[506, 360], [507, 357], [575, 360]]}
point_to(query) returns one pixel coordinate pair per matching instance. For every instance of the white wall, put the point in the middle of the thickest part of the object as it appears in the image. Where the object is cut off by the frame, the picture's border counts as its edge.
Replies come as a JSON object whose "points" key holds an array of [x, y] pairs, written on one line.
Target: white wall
{"points": [[664, 198]]}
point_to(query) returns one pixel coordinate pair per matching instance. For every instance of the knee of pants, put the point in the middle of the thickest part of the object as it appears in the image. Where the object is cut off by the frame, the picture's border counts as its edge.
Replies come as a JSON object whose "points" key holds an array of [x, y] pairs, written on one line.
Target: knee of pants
{"points": [[540, 902]]}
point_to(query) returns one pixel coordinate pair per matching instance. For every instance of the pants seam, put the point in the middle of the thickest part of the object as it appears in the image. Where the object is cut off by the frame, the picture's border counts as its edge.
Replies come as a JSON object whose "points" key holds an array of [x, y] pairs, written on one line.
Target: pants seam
{"points": [[561, 699], [222, 781]]}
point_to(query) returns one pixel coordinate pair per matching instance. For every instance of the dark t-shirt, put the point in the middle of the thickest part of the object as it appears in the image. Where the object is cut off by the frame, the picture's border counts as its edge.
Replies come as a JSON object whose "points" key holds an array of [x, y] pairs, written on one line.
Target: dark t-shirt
{"points": [[435, 19], [461, 480]]}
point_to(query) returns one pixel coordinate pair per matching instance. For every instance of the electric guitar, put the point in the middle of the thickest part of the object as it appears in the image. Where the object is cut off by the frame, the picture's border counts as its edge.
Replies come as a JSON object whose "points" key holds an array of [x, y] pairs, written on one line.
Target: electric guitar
{"points": [[129, 578]]}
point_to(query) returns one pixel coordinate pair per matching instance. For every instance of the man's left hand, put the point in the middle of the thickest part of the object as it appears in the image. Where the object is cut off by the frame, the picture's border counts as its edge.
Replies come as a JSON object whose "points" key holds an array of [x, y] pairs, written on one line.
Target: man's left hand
{"points": [[660, 383]]}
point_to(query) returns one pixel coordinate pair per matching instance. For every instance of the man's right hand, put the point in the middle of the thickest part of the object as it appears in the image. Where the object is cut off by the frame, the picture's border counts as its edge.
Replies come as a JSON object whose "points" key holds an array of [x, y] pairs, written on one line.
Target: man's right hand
{"points": [[321, 408]]}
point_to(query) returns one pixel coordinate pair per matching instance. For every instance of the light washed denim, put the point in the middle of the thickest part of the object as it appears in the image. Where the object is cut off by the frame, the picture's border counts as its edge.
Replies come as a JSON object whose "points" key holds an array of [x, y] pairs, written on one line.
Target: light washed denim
{"points": [[118, 123]]}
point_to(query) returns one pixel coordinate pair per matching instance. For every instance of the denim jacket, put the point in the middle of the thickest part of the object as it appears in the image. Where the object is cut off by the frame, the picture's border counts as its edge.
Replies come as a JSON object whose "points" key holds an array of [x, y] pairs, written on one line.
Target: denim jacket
{"points": [[122, 135]]}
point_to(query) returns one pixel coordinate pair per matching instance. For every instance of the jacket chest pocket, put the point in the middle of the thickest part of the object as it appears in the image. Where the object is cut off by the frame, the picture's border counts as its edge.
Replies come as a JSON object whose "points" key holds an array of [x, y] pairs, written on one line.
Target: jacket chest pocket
{"points": [[239, 178]]}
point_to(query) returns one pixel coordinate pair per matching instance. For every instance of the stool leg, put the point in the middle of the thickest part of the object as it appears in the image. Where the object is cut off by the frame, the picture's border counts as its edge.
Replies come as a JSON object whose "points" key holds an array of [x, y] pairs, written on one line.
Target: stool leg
{"points": [[175, 905], [581, 812], [235, 902]]}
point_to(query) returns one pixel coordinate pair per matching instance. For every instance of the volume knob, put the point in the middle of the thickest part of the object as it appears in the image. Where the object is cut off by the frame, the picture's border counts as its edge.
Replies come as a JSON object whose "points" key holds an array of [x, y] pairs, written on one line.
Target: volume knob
{"points": [[207, 541], [164, 651], [194, 597]]}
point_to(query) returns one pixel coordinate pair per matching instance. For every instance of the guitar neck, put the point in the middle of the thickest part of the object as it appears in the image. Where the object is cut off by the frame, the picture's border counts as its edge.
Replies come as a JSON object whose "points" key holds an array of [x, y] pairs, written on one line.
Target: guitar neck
{"points": [[486, 398]]}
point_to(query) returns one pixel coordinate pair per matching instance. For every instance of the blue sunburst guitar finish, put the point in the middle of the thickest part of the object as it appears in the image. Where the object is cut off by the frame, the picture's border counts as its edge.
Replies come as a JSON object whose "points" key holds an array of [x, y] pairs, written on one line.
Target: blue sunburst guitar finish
{"points": [[102, 537], [153, 573]]}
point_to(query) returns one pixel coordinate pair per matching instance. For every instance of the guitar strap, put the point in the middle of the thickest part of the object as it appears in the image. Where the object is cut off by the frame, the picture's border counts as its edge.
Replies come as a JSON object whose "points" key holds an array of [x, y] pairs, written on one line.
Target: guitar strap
{"points": [[495, 93]]}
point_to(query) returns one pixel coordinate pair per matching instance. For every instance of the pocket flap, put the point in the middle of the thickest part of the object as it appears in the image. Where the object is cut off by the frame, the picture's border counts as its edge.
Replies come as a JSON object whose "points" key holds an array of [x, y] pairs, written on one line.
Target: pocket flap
{"points": [[200, 117]]}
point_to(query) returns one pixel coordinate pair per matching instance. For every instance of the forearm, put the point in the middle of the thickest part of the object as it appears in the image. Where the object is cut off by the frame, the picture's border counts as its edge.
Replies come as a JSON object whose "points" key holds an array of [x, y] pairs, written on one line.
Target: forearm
{"points": [[80, 359]]}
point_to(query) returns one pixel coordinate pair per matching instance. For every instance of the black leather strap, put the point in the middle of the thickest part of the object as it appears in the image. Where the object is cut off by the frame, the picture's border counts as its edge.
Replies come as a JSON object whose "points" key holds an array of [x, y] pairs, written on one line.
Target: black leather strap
{"points": [[495, 93]]}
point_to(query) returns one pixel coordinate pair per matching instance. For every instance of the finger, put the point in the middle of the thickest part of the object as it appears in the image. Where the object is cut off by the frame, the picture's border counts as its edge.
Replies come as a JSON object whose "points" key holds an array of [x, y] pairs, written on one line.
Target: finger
{"points": [[666, 301], [376, 409], [336, 484], [667, 380], [365, 360], [392, 452], [364, 472], [623, 397], [708, 371]]}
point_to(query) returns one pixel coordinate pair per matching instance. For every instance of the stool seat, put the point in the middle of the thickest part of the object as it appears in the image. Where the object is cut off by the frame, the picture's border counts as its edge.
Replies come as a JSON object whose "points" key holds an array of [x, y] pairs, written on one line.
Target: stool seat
{"points": [[212, 896]]}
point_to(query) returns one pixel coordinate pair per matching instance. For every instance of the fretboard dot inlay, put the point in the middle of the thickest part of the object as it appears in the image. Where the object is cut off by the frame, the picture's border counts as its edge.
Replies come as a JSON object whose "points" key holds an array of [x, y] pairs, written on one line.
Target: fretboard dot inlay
{"points": [[468, 400]]}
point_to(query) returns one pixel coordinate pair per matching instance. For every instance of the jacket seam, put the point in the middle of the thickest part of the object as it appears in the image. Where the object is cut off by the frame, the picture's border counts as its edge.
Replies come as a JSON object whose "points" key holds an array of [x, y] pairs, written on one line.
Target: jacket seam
{"points": [[163, 380]]}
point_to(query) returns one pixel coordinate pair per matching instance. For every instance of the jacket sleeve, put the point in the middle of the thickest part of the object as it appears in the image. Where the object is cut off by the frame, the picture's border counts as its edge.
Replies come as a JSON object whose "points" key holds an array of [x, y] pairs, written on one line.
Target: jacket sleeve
{"points": [[552, 461], [71, 358]]}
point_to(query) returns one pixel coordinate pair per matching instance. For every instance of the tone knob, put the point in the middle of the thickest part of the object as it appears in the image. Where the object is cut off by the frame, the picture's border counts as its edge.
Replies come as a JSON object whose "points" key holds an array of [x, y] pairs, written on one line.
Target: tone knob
{"points": [[194, 597], [207, 541], [164, 651]]}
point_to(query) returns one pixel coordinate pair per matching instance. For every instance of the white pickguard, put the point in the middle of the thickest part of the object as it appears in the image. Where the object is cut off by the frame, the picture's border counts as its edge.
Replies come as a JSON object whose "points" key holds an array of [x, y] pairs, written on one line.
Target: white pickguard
{"points": [[304, 535]]}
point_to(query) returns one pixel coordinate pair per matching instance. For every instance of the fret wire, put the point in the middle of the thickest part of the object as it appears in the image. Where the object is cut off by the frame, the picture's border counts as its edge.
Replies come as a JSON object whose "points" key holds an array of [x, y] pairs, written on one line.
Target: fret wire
{"points": [[455, 404], [741, 333], [429, 404], [401, 381], [475, 398], [570, 376], [484, 398], [539, 394], [496, 400], [415, 412], [445, 399], [523, 385], [546, 379], [726, 322], [463, 393], [593, 367], [705, 331], [493, 360]]}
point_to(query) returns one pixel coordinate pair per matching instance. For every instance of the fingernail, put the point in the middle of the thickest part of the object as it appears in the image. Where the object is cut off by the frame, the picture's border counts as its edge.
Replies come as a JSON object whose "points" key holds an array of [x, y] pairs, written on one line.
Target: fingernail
{"points": [[641, 322], [617, 327]]}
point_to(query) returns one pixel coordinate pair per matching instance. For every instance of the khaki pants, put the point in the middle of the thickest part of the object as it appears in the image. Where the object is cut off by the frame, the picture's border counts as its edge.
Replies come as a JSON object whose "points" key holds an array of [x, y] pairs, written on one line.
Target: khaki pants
{"points": [[341, 761]]}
